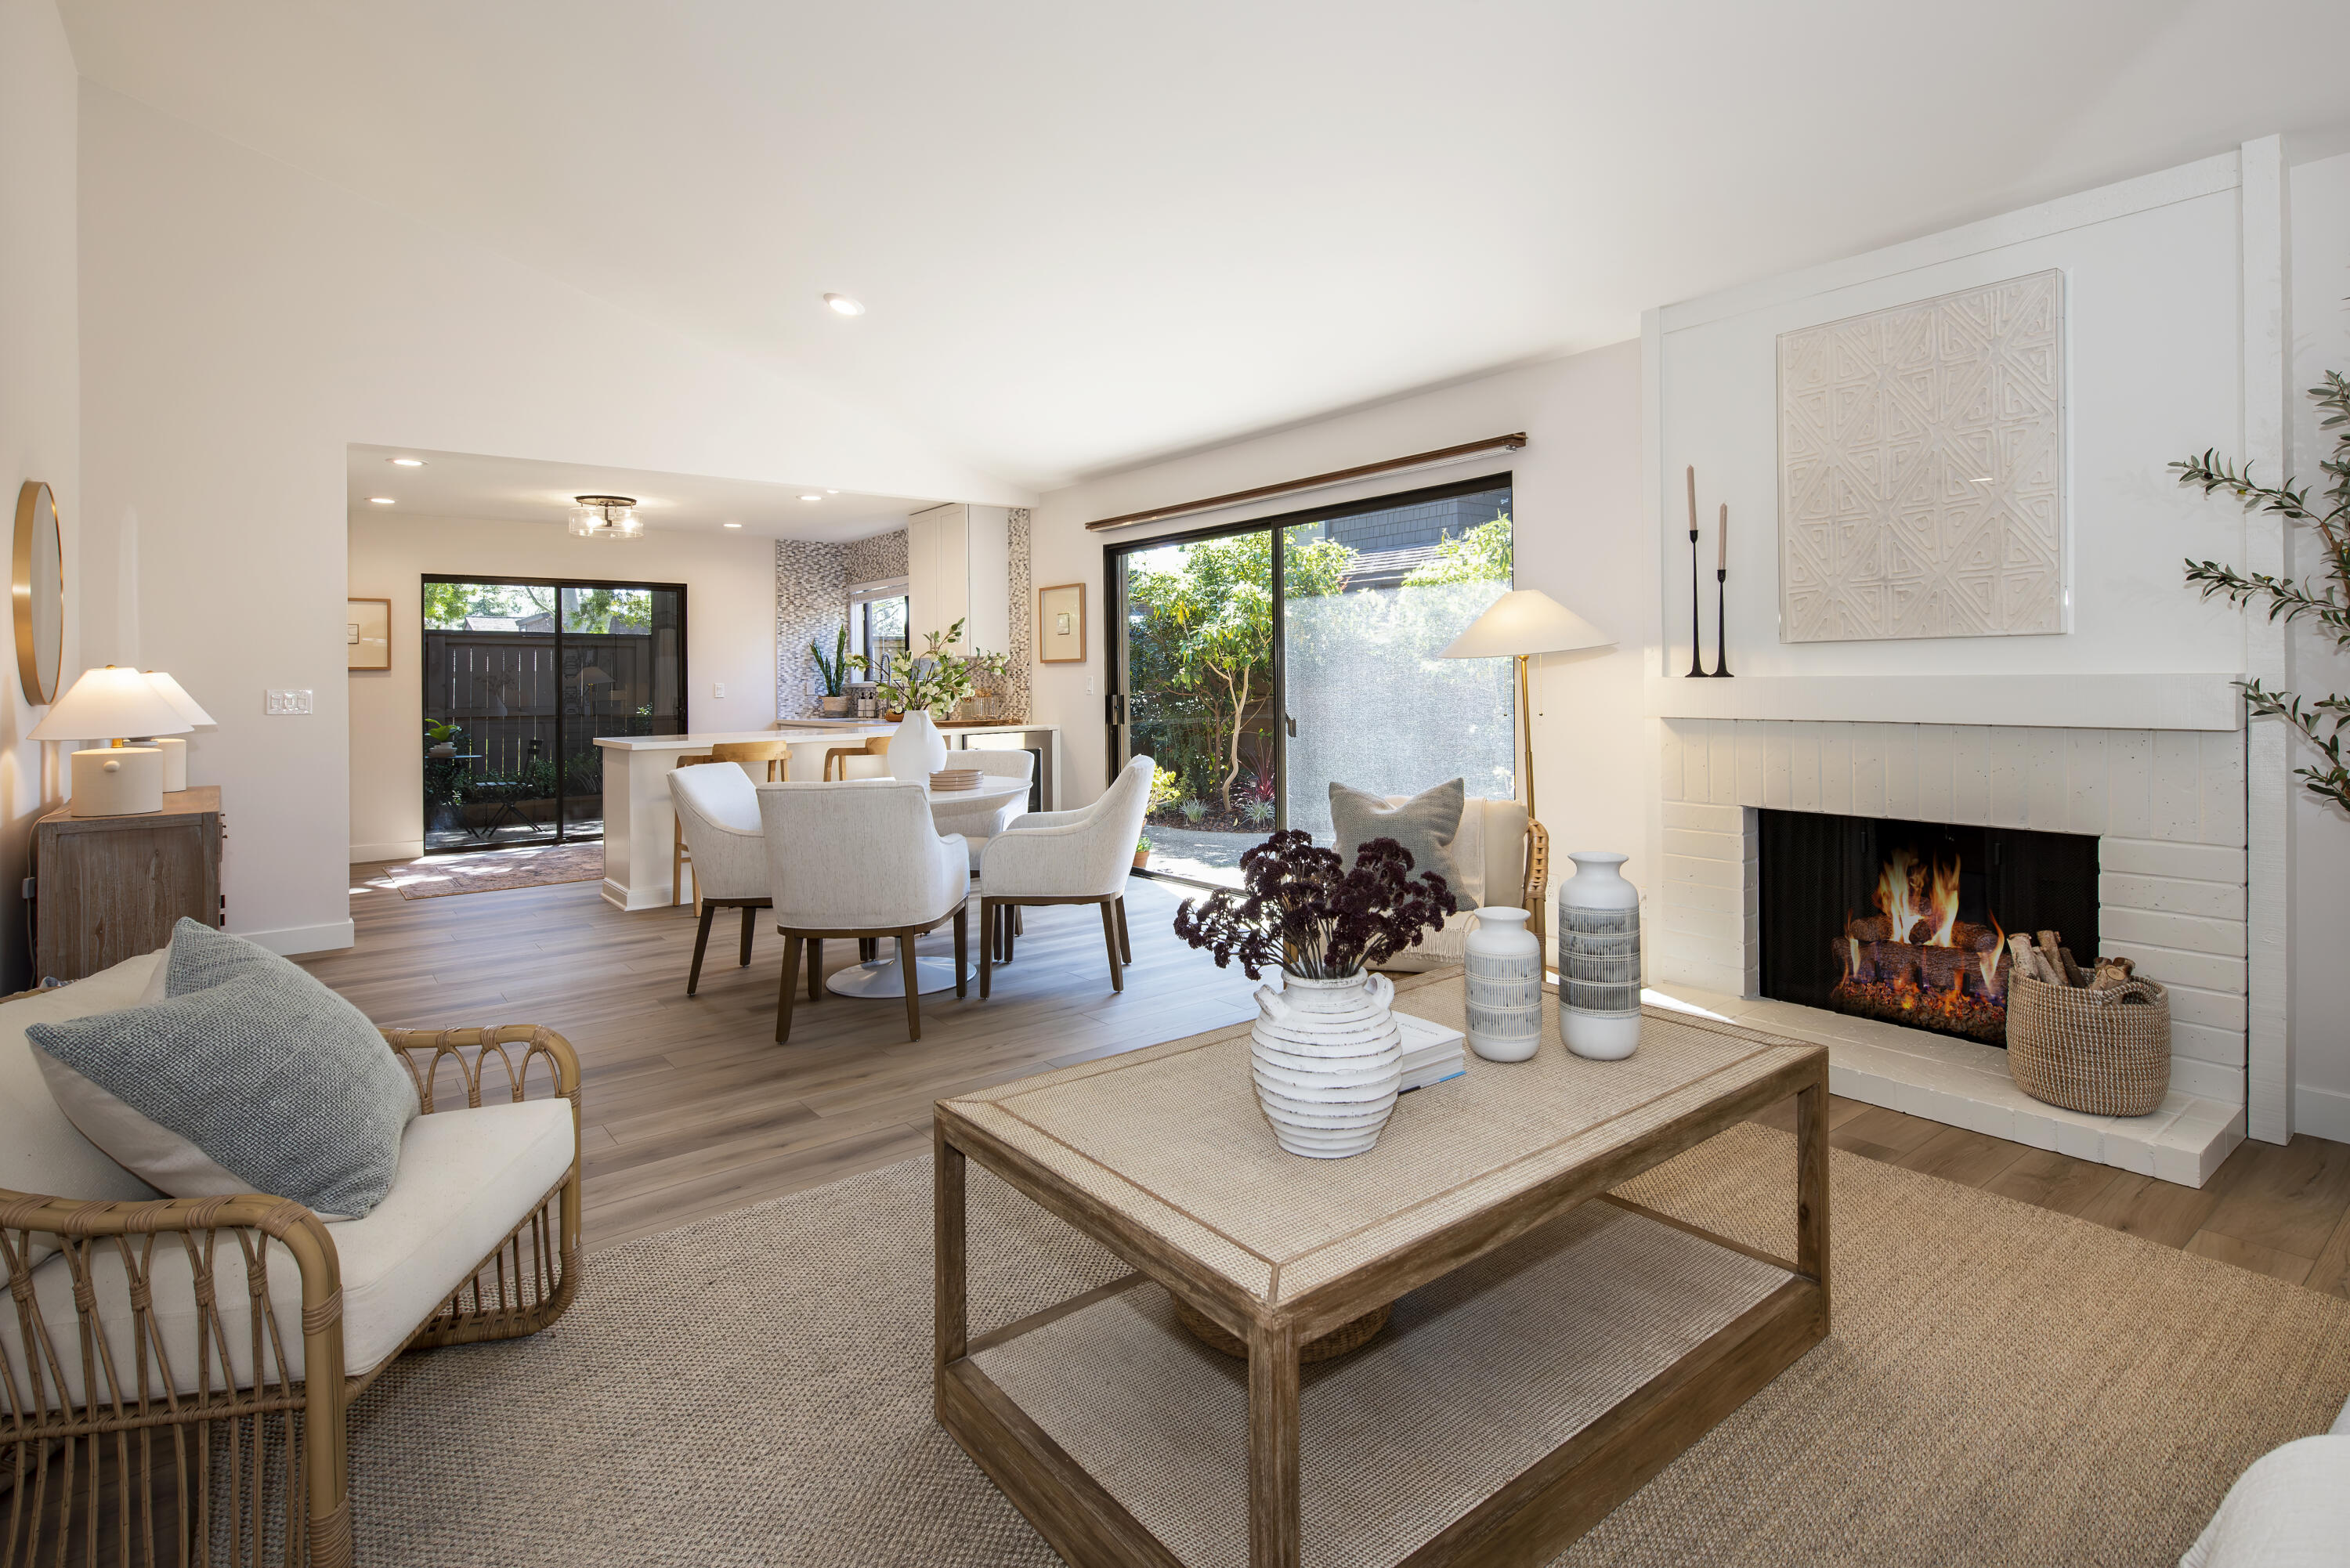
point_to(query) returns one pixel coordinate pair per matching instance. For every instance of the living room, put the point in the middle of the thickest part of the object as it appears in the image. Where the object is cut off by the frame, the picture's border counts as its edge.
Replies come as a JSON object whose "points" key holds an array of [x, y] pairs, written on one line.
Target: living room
{"points": [[1842, 591]]}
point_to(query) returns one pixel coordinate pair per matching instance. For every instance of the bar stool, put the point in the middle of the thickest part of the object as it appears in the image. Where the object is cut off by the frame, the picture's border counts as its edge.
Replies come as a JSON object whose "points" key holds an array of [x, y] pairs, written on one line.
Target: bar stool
{"points": [[846, 762]]}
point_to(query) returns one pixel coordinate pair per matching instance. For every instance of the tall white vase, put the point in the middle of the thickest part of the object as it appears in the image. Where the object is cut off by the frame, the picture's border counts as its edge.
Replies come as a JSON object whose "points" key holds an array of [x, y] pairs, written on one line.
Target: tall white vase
{"points": [[1328, 1059], [918, 750], [1503, 978], [1599, 959]]}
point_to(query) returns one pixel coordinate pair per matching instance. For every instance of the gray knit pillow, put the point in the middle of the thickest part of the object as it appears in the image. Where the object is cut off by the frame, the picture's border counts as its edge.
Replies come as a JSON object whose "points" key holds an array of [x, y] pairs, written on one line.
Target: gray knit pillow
{"points": [[281, 1083], [1425, 825], [202, 957]]}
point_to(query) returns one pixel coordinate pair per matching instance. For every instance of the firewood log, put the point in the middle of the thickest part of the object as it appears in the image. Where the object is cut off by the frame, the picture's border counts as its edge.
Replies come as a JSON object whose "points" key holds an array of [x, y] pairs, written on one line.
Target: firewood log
{"points": [[1974, 939], [2111, 973], [1944, 969], [2060, 962], [1869, 928], [2026, 958]]}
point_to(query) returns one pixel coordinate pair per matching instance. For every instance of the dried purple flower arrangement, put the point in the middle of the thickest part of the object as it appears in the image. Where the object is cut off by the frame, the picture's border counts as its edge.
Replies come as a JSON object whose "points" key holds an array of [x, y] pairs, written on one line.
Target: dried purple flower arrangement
{"points": [[1298, 908]]}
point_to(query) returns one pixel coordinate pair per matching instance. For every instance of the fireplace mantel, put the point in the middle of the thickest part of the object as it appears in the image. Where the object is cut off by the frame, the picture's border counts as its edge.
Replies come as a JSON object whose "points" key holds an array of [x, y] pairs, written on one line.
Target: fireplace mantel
{"points": [[2062, 701]]}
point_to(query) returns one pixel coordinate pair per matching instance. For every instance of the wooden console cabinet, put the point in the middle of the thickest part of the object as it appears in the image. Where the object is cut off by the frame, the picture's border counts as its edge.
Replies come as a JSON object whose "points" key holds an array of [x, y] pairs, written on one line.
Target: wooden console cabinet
{"points": [[110, 888]]}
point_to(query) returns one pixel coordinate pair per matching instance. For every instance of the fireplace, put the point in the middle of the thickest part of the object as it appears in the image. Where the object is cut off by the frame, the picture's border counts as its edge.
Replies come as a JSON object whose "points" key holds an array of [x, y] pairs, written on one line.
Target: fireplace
{"points": [[1906, 923]]}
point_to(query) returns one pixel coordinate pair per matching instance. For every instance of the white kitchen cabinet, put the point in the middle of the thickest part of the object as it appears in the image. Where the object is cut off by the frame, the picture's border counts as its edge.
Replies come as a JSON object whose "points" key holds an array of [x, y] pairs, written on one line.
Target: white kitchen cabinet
{"points": [[959, 567]]}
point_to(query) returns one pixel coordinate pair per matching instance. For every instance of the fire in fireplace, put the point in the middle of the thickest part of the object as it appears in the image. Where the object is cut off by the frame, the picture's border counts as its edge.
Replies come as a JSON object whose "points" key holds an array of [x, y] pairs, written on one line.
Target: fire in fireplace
{"points": [[1907, 921]]}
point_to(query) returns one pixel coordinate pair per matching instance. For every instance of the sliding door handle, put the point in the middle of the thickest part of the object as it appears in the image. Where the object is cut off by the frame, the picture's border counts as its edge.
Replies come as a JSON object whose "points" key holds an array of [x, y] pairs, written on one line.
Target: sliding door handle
{"points": [[1292, 723]]}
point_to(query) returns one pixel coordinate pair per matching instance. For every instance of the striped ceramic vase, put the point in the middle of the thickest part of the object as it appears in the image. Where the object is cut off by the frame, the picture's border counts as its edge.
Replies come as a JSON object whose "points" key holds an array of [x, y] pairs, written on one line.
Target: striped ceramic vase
{"points": [[1503, 973], [1599, 959]]}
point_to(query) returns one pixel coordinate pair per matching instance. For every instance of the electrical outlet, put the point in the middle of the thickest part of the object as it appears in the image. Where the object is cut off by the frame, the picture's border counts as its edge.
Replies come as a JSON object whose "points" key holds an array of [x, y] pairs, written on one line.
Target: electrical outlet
{"points": [[276, 700], [718, 689]]}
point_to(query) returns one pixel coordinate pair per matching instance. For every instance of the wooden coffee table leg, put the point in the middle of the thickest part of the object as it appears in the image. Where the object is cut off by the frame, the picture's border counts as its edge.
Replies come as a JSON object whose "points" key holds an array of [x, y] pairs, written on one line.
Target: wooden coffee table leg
{"points": [[948, 1220], [1273, 1448], [1812, 1180]]}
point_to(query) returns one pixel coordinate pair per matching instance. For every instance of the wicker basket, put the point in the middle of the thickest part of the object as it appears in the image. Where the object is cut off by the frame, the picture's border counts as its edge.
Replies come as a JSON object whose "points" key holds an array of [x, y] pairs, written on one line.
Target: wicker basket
{"points": [[2105, 1058]]}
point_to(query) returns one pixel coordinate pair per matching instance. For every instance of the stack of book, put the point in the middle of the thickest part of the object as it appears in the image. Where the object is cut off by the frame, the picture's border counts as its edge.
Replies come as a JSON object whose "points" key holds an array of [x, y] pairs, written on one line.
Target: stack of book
{"points": [[1431, 1052]]}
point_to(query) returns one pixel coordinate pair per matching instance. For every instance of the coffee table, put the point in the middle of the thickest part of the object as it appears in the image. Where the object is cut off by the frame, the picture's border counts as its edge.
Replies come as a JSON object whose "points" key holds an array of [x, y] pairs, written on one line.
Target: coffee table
{"points": [[1555, 1344]]}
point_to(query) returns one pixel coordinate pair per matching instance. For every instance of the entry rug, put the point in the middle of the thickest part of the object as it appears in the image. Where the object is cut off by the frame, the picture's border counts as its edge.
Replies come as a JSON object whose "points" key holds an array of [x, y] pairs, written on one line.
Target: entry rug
{"points": [[494, 870], [2002, 1385]]}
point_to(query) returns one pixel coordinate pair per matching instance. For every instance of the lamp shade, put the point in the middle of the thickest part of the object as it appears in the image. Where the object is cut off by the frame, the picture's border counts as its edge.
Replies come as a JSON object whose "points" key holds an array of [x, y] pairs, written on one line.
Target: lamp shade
{"points": [[177, 696], [1523, 621], [107, 704]]}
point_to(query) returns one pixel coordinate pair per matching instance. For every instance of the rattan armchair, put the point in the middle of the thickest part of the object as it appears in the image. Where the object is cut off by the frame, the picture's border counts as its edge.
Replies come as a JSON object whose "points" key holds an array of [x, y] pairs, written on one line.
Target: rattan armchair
{"points": [[117, 1454]]}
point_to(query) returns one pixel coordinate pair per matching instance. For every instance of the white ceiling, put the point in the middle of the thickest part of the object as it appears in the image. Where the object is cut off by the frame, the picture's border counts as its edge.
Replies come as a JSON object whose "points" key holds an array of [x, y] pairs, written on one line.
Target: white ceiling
{"points": [[1089, 234], [518, 490]]}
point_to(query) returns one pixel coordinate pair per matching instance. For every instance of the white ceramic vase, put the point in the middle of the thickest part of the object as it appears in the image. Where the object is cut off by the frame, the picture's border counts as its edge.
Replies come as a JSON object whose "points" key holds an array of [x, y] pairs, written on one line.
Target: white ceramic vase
{"points": [[1599, 959], [1504, 974], [1328, 1059], [918, 750]]}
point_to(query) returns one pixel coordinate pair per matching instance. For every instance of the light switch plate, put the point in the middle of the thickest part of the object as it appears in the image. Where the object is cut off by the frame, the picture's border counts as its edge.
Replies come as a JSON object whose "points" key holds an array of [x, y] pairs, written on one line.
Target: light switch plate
{"points": [[718, 689], [296, 701]]}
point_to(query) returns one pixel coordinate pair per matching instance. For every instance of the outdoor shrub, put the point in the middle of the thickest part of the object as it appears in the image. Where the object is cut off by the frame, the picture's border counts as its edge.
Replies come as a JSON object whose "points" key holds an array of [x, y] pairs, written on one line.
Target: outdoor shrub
{"points": [[1193, 810]]}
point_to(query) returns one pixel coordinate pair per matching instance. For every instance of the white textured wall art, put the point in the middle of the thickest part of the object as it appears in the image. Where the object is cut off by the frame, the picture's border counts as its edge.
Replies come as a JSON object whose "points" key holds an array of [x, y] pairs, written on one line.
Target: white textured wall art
{"points": [[1921, 468]]}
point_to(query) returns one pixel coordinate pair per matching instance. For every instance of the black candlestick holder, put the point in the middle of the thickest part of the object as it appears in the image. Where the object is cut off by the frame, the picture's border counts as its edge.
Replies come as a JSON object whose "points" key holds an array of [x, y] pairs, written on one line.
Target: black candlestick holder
{"points": [[1697, 627], [1720, 621]]}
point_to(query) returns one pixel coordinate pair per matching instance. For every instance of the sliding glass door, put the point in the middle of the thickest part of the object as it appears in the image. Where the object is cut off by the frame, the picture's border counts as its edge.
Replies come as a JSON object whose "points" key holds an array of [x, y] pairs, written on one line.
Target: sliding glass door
{"points": [[519, 679], [1257, 664]]}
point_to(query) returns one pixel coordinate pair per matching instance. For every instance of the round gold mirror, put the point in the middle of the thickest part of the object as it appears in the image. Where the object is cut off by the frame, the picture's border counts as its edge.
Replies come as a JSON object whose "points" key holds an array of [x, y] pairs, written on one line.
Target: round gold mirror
{"points": [[37, 583]]}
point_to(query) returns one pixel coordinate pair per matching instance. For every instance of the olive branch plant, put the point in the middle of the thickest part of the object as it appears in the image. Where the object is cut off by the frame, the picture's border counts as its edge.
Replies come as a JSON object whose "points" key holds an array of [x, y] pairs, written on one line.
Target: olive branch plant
{"points": [[2320, 722]]}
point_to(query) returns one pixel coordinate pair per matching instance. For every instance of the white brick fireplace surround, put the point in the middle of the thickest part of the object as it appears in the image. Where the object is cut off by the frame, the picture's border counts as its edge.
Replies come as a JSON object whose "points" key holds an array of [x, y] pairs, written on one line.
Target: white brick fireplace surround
{"points": [[2167, 807]]}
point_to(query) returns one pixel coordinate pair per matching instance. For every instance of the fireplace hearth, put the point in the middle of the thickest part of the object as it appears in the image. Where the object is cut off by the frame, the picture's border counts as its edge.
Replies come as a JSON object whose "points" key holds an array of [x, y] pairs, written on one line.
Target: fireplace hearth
{"points": [[1906, 923]]}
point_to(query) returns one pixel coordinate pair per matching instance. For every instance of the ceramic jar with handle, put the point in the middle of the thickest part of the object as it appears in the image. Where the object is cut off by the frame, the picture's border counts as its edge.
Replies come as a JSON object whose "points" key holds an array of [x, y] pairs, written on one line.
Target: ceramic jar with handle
{"points": [[1328, 1060], [1599, 959], [1503, 978]]}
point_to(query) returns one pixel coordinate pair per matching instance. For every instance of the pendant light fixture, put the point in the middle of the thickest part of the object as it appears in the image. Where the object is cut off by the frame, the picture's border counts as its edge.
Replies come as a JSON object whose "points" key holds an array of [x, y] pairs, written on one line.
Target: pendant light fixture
{"points": [[606, 517]]}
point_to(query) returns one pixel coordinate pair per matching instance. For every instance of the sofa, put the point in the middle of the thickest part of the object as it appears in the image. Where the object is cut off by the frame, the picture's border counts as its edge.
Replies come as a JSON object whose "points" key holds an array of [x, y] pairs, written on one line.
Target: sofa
{"points": [[158, 1347]]}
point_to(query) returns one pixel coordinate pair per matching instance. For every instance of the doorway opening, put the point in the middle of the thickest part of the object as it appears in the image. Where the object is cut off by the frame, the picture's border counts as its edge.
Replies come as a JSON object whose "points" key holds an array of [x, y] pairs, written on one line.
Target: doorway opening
{"points": [[521, 676]]}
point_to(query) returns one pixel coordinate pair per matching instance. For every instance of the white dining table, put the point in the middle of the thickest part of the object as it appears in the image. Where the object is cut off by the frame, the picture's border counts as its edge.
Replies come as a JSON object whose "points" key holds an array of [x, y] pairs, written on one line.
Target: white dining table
{"points": [[882, 980]]}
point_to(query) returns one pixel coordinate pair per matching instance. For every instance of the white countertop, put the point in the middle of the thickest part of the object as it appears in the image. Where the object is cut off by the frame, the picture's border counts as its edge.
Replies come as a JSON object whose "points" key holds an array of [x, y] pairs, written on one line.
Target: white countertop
{"points": [[813, 729]]}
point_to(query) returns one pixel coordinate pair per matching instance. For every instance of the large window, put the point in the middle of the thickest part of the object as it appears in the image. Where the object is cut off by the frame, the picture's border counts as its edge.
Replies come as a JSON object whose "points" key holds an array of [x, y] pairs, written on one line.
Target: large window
{"points": [[519, 679], [876, 623], [1258, 664]]}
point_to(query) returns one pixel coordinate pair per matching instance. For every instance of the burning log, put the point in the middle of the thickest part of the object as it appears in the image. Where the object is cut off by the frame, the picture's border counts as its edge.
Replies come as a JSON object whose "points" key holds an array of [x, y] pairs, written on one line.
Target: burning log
{"points": [[1965, 935]]}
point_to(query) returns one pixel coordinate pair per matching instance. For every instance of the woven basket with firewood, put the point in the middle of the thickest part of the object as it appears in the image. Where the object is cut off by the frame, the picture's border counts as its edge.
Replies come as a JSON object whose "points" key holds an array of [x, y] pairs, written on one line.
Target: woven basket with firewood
{"points": [[2095, 1041]]}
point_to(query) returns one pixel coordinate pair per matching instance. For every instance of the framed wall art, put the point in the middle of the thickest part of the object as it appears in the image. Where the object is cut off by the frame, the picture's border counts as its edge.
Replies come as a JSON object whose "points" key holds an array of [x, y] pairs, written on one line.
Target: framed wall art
{"points": [[1921, 468], [367, 635], [1061, 624]]}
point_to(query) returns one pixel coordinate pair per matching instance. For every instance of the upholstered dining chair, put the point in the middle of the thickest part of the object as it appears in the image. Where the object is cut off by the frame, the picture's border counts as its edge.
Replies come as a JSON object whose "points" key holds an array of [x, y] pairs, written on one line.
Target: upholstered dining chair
{"points": [[859, 859], [773, 756], [1080, 856], [679, 857], [978, 823], [717, 810]]}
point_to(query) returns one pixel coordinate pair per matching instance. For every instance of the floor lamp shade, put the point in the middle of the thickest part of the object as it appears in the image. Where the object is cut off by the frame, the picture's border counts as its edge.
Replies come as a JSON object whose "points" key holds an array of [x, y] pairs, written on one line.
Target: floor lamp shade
{"points": [[1520, 623], [108, 704]]}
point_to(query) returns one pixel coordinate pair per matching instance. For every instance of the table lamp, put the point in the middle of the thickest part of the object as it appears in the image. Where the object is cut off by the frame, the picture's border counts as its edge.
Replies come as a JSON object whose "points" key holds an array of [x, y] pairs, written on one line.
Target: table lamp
{"points": [[1520, 623], [176, 752], [116, 779]]}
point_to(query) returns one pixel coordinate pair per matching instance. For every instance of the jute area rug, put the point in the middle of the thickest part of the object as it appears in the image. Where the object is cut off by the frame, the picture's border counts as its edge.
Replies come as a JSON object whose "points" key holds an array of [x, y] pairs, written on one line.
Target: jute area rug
{"points": [[2002, 1385], [494, 870]]}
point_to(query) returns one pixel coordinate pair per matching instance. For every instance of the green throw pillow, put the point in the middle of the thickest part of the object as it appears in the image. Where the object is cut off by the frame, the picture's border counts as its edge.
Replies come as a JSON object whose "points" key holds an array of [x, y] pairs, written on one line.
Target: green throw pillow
{"points": [[275, 1079]]}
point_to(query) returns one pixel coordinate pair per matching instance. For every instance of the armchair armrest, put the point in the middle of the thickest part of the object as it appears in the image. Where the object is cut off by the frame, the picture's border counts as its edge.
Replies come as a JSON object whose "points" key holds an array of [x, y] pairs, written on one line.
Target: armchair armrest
{"points": [[513, 1047]]}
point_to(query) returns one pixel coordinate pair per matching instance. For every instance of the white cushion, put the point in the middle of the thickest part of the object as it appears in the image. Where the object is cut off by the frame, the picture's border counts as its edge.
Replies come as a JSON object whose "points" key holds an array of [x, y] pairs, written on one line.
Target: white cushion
{"points": [[2290, 1510], [467, 1178], [1490, 850], [41, 1151]]}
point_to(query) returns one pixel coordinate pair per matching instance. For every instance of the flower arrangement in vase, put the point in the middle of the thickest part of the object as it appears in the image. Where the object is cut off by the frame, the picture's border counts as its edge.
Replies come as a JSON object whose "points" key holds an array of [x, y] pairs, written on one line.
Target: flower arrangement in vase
{"points": [[1324, 1051]]}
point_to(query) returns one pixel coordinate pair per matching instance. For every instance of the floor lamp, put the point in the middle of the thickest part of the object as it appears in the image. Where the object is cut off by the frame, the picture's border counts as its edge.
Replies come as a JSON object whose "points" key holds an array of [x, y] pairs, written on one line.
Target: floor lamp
{"points": [[1521, 624]]}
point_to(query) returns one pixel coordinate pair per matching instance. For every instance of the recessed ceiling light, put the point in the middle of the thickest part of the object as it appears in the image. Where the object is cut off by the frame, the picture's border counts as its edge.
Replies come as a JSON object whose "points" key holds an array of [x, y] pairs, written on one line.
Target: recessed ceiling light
{"points": [[843, 306], [379, 500], [832, 493], [730, 524], [811, 497], [407, 462]]}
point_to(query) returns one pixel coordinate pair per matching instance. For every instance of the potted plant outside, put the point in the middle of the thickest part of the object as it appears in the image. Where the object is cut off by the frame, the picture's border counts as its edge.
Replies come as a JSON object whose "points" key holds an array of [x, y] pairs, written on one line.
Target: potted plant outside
{"points": [[1324, 1051], [1142, 853]]}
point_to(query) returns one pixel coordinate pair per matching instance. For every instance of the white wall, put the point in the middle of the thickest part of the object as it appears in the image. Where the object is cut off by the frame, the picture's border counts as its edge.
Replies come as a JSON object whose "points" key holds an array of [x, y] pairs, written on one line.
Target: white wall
{"points": [[40, 395], [730, 604], [1576, 511], [243, 324], [2320, 197]]}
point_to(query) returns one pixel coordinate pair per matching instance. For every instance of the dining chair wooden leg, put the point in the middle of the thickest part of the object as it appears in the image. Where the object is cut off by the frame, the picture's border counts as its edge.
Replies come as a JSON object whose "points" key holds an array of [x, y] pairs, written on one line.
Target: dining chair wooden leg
{"points": [[1010, 928], [701, 941], [815, 968], [990, 914], [750, 919], [913, 987], [1125, 942], [1019, 922], [791, 983], [1110, 940], [676, 866], [963, 950]]}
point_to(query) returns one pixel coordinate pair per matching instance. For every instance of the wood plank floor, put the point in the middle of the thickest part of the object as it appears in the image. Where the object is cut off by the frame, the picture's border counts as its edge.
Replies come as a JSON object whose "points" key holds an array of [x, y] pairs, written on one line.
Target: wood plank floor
{"points": [[692, 1109]]}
